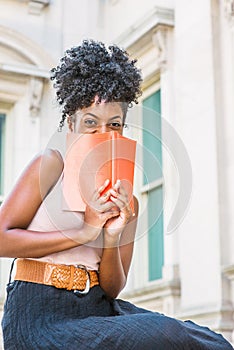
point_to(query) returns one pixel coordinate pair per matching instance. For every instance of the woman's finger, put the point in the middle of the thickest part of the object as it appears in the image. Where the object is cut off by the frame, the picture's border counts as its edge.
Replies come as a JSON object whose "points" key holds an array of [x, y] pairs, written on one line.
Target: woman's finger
{"points": [[120, 203], [101, 208], [119, 196], [110, 214], [118, 187], [117, 184], [123, 191], [107, 206], [125, 209], [102, 188], [98, 191]]}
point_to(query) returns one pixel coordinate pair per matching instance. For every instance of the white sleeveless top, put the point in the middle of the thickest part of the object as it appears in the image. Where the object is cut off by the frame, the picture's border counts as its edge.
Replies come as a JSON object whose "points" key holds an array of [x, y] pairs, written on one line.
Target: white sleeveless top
{"points": [[51, 217]]}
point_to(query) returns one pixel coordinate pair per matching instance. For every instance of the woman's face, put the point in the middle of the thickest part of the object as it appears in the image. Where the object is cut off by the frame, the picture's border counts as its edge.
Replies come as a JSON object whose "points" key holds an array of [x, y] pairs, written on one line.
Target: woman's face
{"points": [[99, 118]]}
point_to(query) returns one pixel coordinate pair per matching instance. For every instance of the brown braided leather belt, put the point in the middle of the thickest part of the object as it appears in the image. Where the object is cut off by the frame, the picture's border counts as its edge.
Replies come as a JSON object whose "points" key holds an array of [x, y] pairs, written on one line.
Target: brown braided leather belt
{"points": [[70, 277]]}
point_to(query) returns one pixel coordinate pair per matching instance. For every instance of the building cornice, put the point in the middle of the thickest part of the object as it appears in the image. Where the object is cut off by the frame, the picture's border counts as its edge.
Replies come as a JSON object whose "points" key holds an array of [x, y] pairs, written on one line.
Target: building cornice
{"points": [[157, 16], [148, 41], [157, 289], [28, 70]]}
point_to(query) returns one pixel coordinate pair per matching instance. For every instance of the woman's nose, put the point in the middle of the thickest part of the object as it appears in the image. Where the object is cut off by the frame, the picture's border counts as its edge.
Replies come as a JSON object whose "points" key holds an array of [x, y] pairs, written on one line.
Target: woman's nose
{"points": [[103, 128]]}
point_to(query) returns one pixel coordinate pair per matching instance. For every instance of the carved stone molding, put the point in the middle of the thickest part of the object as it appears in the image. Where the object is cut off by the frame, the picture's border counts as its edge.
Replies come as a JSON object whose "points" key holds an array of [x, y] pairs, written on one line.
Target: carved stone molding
{"points": [[21, 44], [148, 40], [35, 7], [159, 39], [36, 90], [229, 9]]}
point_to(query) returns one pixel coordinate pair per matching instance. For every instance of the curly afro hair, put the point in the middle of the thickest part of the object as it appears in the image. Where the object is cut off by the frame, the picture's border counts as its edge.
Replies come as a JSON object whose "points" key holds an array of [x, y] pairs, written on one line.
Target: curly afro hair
{"points": [[92, 69]]}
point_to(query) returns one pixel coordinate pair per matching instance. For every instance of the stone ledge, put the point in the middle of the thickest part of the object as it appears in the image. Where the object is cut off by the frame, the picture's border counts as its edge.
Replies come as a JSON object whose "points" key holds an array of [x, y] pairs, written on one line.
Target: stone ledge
{"points": [[229, 271], [216, 317], [35, 7], [160, 296]]}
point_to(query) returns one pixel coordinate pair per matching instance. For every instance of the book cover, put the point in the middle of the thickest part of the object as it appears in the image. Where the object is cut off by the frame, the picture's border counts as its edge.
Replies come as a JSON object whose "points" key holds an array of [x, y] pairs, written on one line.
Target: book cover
{"points": [[90, 160]]}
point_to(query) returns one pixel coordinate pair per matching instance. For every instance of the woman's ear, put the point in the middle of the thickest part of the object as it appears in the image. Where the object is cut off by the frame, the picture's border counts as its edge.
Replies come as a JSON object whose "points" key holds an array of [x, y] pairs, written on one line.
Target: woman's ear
{"points": [[70, 123]]}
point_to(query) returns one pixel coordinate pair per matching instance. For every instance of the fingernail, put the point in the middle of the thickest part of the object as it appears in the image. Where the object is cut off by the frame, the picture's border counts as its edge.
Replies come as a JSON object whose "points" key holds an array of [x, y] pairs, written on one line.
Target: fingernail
{"points": [[113, 192], [106, 182], [117, 184]]}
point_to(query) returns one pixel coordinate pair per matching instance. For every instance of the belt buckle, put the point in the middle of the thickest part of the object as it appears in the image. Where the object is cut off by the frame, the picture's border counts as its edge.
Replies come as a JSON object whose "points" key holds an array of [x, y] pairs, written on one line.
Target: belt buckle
{"points": [[87, 286]]}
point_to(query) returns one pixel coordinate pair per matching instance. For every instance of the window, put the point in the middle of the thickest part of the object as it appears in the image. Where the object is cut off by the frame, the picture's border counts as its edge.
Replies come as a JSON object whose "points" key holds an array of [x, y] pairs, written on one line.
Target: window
{"points": [[2, 143], [152, 182]]}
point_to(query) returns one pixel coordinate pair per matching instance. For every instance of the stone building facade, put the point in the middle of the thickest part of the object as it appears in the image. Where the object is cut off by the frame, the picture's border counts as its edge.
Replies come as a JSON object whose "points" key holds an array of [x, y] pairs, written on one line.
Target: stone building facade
{"points": [[183, 262]]}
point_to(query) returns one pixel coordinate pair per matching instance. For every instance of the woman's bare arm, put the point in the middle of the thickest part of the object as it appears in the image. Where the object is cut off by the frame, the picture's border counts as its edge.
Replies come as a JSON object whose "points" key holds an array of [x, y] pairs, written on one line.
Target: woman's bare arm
{"points": [[19, 208], [116, 258]]}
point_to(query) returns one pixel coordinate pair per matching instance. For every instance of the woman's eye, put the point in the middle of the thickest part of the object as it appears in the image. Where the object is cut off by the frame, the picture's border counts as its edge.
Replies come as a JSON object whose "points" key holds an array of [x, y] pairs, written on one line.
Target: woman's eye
{"points": [[115, 125], [90, 122]]}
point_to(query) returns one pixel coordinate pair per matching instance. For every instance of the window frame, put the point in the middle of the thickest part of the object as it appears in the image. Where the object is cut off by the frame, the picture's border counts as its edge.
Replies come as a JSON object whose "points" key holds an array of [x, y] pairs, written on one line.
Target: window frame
{"points": [[153, 185]]}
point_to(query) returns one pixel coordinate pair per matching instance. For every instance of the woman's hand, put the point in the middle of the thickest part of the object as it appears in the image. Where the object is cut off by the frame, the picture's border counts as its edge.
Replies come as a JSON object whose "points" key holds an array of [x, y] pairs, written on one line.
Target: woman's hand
{"points": [[115, 225], [118, 250], [98, 212]]}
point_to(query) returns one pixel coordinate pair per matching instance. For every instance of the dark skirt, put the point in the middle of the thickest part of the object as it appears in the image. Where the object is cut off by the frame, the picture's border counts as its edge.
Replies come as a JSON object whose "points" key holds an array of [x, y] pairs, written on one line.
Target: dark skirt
{"points": [[43, 317]]}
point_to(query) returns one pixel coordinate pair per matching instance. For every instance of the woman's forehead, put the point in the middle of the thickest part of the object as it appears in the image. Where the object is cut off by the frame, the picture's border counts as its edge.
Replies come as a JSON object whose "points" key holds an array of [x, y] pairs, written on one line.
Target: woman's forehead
{"points": [[102, 110]]}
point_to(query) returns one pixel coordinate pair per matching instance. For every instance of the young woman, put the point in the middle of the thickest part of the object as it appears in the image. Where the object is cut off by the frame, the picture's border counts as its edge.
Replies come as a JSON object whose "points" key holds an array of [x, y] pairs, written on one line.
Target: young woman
{"points": [[66, 283]]}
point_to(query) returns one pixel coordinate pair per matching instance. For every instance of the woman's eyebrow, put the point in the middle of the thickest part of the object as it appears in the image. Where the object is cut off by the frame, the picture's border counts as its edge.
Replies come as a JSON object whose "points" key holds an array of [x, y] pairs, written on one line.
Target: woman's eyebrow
{"points": [[117, 116], [92, 115], [95, 116]]}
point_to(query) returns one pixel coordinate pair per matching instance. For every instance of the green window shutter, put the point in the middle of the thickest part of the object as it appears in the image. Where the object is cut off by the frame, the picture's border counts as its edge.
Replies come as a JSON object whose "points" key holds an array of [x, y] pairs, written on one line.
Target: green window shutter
{"points": [[2, 143], [152, 157], [152, 164], [155, 234]]}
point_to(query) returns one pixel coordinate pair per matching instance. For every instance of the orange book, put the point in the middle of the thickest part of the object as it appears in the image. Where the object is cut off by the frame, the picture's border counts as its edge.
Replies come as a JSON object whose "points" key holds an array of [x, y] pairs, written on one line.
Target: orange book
{"points": [[90, 160]]}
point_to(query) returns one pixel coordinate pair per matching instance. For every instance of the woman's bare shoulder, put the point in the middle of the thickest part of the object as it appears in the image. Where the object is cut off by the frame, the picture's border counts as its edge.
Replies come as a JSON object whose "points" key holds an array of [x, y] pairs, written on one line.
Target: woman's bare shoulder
{"points": [[49, 166], [50, 159], [31, 188]]}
